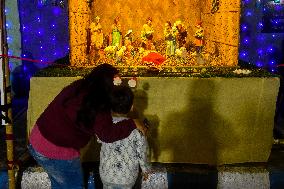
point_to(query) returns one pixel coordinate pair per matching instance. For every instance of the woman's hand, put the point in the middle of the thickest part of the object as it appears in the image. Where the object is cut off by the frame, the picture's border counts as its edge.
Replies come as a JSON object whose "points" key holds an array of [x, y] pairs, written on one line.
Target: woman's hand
{"points": [[140, 126]]}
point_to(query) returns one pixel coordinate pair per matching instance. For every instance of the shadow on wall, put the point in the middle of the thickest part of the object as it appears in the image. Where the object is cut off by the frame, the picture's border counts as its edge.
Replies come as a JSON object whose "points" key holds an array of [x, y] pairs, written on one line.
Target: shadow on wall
{"points": [[278, 131], [140, 105], [193, 134]]}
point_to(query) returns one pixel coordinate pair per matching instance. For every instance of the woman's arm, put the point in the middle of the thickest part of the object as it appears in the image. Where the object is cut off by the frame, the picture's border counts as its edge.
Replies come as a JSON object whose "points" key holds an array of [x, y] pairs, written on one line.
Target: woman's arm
{"points": [[109, 132]]}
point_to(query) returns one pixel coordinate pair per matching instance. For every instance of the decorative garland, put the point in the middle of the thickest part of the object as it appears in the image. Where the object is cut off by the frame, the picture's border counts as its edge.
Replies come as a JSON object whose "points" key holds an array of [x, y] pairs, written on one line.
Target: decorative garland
{"points": [[197, 71], [215, 6]]}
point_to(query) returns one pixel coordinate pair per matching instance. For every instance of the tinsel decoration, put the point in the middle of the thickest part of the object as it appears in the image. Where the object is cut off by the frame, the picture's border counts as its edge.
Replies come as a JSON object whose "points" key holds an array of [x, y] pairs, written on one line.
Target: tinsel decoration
{"points": [[215, 6], [172, 71], [42, 2], [59, 3]]}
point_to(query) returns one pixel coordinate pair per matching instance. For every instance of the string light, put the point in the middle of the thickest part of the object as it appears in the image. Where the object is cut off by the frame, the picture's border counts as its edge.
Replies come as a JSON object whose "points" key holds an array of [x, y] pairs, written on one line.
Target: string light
{"points": [[44, 35], [259, 64], [50, 25], [252, 35]]}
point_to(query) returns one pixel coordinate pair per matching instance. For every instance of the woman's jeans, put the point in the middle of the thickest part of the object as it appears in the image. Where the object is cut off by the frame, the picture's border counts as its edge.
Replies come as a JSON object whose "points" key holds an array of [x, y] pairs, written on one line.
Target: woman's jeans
{"points": [[63, 174]]}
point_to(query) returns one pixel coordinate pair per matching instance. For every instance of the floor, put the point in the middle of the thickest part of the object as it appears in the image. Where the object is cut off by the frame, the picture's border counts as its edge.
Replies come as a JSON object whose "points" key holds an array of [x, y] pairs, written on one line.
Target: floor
{"points": [[176, 176]]}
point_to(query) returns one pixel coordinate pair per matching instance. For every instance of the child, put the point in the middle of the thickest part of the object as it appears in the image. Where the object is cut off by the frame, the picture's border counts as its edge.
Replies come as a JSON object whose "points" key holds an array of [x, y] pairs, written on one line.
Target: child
{"points": [[120, 160]]}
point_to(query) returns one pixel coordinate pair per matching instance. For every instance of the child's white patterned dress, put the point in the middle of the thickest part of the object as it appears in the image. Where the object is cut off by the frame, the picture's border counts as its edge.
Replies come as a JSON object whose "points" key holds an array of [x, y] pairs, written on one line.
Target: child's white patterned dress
{"points": [[120, 160]]}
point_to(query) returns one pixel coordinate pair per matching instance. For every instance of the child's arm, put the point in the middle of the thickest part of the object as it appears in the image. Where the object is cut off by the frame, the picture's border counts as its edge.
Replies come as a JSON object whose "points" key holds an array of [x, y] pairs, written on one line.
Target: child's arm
{"points": [[142, 154]]}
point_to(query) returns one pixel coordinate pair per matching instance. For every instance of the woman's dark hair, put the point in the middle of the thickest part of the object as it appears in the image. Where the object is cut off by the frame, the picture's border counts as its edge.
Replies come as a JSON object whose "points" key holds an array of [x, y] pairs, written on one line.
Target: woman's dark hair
{"points": [[98, 86], [121, 99]]}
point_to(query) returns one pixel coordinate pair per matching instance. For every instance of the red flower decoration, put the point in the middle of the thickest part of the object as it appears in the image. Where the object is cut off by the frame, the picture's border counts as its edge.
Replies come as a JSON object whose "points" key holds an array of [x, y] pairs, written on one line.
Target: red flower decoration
{"points": [[154, 57]]}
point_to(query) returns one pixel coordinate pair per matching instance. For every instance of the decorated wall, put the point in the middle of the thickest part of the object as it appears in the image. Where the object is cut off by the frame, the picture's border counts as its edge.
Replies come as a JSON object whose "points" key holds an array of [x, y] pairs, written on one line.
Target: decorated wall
{"points": [[45, 31], [261, 36], [220, 34], [13, 32], [222, 31], [133, 14]]}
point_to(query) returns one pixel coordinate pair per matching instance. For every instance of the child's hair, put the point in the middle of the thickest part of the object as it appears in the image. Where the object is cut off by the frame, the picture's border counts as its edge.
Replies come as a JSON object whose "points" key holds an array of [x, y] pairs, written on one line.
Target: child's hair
{"points": [[121, 99]]}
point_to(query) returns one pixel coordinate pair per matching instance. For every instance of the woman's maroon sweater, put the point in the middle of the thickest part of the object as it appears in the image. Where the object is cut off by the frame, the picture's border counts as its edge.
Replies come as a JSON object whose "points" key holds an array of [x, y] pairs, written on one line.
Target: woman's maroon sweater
{"points": [[58, 122]]}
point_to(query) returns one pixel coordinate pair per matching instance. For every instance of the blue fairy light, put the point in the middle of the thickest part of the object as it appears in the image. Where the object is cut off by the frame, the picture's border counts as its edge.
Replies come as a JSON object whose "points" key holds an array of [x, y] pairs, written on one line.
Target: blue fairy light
{"points": [[244, 27], [246, 1], [246, 40], [40, 31], [248, 13], [270, 49], [56, 11], [9, 39], [42, 3], [243, 54], [259, 52], [259, 64]]}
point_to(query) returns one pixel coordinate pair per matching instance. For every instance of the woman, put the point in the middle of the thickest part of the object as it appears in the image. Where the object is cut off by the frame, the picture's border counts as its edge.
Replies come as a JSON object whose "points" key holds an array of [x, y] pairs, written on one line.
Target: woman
{"points": [[80, 111]]}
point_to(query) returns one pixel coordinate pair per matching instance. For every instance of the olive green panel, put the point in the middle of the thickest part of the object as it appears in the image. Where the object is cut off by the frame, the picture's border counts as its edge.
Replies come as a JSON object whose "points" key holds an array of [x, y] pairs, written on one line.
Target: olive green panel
{"points": [[193, 120]]}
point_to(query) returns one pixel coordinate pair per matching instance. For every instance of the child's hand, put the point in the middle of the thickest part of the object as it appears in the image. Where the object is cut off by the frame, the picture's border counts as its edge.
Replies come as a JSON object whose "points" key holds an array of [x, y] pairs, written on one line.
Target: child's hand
{"points": [[140, 127], [145, 176]]}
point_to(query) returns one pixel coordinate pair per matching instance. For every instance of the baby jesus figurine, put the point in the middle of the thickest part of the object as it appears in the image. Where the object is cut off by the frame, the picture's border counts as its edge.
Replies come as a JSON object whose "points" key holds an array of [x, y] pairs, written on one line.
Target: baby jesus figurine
{"points": [[128, 38]]}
